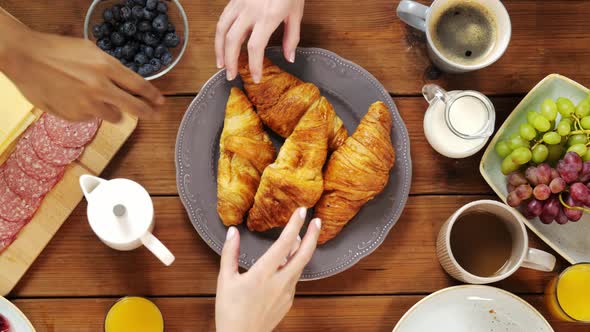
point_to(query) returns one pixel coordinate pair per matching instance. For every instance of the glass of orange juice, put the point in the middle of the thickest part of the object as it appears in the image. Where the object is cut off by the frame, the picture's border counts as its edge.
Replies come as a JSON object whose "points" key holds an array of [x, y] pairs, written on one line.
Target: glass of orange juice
{"points": [[568, 294], [134, 314]]}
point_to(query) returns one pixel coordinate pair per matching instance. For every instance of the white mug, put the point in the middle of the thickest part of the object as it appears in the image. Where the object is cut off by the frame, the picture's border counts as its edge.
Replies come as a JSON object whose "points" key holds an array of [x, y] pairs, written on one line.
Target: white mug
{"points": [[420, 17], [521, 254]]}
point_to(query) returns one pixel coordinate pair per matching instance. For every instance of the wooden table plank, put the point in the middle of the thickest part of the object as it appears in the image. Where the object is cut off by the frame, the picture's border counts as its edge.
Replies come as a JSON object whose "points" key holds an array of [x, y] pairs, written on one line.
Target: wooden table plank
{"points": [[76, 263], [347, 313], [547, 36], [152, 144]]}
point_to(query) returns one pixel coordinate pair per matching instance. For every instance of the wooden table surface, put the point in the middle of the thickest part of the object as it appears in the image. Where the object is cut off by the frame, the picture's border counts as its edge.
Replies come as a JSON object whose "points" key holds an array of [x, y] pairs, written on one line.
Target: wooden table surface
{"points": [[75, 280]]}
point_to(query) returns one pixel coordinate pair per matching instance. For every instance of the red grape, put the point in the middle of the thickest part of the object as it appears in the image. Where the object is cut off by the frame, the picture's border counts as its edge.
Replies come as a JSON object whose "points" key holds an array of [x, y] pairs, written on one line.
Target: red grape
{"points": [[524, 192], [557, 185], [534, 207], [543, 173], [550, 210], [516, 179], [554, 174], [567, 171], [531, 175], [561, 217], [573, 159], [585, 173], [513, 199], [580, 192], [573, 215], [541, 192], [510, 187]]}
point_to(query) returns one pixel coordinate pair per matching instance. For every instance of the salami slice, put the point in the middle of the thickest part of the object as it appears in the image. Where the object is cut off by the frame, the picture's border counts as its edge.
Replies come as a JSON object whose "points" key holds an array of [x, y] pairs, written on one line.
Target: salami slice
{"points": [[8, 232], [12, 207], [31, 164], [24, 186], [49, 151], [70, 134]]}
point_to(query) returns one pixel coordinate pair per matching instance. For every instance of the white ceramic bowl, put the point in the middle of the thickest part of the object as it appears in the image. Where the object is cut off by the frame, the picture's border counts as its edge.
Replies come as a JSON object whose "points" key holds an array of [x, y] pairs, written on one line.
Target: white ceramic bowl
{"points": [[572, 239]]}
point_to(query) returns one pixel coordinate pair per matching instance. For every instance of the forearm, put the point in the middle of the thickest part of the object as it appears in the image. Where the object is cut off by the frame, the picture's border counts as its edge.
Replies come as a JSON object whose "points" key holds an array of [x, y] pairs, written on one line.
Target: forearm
{"points": [[11, 36]]}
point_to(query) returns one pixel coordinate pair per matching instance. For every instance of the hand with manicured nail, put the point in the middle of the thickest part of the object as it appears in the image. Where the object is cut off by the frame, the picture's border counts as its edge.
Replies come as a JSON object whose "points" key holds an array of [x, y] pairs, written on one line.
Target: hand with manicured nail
{"points": [[258, 300], [261, 18]]}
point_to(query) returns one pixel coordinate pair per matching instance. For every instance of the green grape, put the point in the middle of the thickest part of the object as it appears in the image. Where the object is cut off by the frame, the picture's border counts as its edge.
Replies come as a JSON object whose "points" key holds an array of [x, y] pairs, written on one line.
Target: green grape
{"points": [[521, 156], [586, 156], [549, 109], [580, 149], [583, 108], [540, 153], [530, 116], [502, 149], [564, 127], [585, 122], [551, 138], [565, 107], [541, 123], [555, 152], [508, 166], [527, 131], [517, 142], [577, 139]]}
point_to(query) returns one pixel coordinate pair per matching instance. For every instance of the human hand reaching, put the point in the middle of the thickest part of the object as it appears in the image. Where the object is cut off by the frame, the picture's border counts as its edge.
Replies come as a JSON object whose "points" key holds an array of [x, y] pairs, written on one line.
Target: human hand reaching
{"points": [[258, 299], [71, 77], [261, 18]]}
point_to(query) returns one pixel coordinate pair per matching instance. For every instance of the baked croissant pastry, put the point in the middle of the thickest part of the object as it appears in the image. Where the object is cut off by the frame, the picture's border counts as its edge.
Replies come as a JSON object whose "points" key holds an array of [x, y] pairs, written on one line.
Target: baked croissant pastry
{"points": [[245, 151], [356, 172], [281, 99], [295, 178]]}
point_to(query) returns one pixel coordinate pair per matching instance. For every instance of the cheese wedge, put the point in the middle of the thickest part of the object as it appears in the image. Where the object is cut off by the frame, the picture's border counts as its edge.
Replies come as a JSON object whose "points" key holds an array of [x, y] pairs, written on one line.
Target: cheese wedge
{"points": [[15, 113]]}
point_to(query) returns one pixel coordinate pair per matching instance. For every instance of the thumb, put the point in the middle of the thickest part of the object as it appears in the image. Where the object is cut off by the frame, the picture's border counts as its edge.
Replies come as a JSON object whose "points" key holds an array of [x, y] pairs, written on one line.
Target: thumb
{"points": [[230, 253]]}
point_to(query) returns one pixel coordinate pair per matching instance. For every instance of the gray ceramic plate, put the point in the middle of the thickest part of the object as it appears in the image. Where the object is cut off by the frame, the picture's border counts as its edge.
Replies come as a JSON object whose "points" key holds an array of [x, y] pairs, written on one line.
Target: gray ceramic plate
{"points": [[351, 90]]}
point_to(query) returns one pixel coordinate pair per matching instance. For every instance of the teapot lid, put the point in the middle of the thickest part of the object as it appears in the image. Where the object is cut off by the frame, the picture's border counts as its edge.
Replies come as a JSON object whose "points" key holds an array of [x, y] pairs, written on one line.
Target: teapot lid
{"points": [[120, 210]]}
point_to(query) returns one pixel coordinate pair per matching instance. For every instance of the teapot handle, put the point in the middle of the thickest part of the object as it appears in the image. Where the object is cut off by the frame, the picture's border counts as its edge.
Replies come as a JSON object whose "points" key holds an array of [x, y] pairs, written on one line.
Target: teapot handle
{"points": [[157, 248]]}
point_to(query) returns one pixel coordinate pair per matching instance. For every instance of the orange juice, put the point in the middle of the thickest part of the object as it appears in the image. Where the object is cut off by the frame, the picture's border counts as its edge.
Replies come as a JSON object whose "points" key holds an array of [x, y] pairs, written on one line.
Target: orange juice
{"points": [[568, 295], [134, 314]]}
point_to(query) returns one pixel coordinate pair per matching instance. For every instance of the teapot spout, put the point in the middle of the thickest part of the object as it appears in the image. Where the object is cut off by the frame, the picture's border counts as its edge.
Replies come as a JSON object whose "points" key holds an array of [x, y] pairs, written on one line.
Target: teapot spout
{"points": [[88, 183]]}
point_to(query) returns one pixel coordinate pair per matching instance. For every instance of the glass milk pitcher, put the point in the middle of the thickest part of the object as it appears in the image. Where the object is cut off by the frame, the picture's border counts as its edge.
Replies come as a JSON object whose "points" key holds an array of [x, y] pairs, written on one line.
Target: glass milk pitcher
{"points": [[457, 124]]}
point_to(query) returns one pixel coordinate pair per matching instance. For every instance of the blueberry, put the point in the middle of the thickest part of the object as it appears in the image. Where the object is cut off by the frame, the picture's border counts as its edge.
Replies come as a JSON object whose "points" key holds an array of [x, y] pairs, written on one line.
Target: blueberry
{"points": [[162, 7], [160, 50], [125, 13], [117, 39], [171, 40], [128, 52], [144, 26], [151, 39], [137, 12], [104, 44], [166, 58], [97, 31], [160, 23], [171, 27], [151, 4], [133, 66], [123, 61], [129, 3], [116, 9], [156, 64], [118, 52], [129, 29], [147, 50], [108, 15], [145, 70], [140, 59], [140, 2], [110, 52], [149, 15], [139, 36]]}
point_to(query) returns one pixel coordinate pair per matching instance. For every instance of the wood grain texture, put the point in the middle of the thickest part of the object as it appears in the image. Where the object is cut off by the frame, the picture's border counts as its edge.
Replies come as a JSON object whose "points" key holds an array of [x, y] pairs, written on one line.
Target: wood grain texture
{"points": [[357, 313], [148, 156], [76, 263], [547, 37]]}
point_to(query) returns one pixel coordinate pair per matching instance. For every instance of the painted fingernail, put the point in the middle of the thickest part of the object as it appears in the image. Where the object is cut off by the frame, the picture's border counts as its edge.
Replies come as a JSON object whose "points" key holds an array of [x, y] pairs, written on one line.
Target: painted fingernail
{"points": [[318, 223], [256, 78], [219, 64], [231, 232], [291, 57], [229, 75], [298, 238], [302, 212]]}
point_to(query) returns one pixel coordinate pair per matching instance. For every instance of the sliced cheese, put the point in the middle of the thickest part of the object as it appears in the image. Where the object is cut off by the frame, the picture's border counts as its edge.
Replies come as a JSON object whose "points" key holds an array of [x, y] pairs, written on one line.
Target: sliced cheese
{"points": [[15, 113]]}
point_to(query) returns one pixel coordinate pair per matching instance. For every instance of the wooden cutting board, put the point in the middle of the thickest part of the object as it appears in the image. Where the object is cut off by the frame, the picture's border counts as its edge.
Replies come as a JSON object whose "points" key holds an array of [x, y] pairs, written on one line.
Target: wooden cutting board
{"points": [[61, 201]]}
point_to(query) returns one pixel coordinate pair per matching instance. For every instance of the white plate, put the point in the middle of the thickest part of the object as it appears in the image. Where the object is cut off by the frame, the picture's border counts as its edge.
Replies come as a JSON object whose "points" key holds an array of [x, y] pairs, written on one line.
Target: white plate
{"points": [[571, 240], [472, 308], [17, 320]]}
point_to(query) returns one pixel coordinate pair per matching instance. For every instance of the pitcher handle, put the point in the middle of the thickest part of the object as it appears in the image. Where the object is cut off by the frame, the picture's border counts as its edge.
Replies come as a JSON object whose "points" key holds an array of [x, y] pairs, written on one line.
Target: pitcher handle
{"points": [[413, 14], [433, 92], [539, 260], [157, 248]]}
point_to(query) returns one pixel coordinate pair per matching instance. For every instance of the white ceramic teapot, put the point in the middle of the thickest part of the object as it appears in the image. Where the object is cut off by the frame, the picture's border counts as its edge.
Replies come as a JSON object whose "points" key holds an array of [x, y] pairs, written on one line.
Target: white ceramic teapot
{"points": [[121, 213]]}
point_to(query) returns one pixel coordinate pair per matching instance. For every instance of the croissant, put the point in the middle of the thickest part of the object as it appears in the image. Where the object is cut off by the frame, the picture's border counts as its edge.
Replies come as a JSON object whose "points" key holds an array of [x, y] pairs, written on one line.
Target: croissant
{"points": [[356, 172], [295, 178], [281, 99], [245, 151]]}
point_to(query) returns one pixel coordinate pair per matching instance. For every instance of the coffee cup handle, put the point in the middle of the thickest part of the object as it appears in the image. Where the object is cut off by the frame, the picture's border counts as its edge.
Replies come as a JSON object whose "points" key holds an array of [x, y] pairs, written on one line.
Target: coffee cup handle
{"points": [[413, 14], [539, 260], [157, 248]]}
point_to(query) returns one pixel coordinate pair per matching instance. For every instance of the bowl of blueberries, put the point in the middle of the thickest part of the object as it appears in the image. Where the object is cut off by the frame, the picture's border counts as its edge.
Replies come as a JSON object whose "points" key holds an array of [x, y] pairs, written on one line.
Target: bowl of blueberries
{"points": [[147, 36]]}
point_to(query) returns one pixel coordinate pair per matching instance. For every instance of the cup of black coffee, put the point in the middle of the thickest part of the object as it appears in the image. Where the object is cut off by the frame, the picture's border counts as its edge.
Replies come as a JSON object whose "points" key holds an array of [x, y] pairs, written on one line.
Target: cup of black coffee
{"points": [[462, 35]]}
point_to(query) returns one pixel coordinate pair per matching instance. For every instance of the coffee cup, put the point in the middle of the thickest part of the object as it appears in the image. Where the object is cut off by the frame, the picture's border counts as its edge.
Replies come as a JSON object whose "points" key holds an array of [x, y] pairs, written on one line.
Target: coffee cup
{"points": [[462, 35], [489, 236]]}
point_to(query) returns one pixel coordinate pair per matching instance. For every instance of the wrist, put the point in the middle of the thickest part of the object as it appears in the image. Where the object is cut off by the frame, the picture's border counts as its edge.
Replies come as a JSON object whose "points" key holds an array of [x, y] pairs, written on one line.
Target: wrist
{"points": [[11, 39]]}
